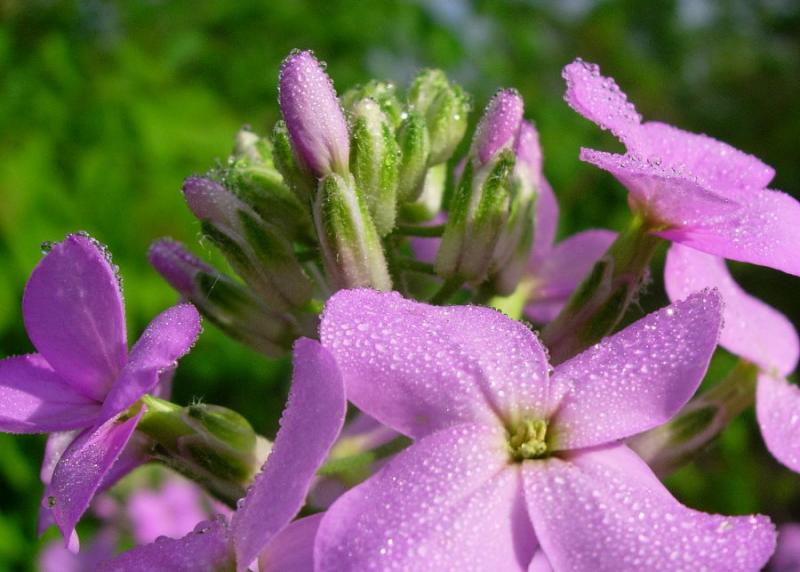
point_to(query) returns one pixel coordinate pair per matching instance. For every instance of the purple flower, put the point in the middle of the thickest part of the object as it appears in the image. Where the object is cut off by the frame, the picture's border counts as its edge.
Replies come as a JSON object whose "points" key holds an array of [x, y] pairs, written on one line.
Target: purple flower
{"points": [[498, 127], [84, 379], [757, 333], [691, 189], [515, 467], [261, 527], [313, 116], [787, 555]]}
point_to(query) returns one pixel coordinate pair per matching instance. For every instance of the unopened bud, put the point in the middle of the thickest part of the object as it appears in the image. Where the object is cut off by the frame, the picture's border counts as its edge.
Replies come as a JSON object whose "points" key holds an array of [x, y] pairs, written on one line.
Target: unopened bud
{"points": [[497, 129], [381, 92], [313, 116], [445, 107], [226, 303], [302, 183], [429, 202], [351, 247], [375, 162], [415, 148], [251, 148]]}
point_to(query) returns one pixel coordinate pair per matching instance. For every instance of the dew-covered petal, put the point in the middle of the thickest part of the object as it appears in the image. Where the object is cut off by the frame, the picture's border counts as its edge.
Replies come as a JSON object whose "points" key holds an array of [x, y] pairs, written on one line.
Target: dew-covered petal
{"points": [[310, 424], [600, 100], [166, 339], [717, 164], [418, 368], [292, 549], [638, 378], [666, 197], [449, 502], [540, 563], [787, 555], [765, 231], [74, 315], [558, 274], [545, 222], [35, 399], [752, 329], [83, 467], [605, 511], [207, 548], [778, 413]]}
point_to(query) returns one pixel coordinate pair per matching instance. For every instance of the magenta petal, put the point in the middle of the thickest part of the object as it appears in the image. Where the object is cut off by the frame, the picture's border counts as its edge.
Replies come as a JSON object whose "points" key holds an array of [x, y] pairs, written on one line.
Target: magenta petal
{"points": [[74, 315], [207, 548], [778, 411], [640, 377], [418, 368], [449, 502], [310, 424], [605, 511], [752, 329], [35, 399], [787, 555], [545, 222], [765, 231], [292, 549], [557, 275], [716, 163], [599, 99], [665, 196], [82, 468], [165, 340]]}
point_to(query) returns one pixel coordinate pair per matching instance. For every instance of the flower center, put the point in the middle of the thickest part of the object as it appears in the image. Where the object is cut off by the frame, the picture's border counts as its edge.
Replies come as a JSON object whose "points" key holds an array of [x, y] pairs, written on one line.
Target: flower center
{"points": [[528, 440]]}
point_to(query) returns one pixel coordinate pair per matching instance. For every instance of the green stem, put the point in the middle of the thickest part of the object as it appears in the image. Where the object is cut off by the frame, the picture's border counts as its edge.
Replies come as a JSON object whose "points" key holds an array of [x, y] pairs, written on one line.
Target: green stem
{"points": [[600, 302], [446, 291], [670, 446], [429, 231], [418, 266]]}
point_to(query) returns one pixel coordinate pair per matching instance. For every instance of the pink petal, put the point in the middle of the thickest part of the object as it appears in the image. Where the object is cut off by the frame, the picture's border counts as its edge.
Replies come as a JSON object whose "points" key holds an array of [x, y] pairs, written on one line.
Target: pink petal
{"points": [[418, 368], [540, 563], [449, 502], [778, 412], [638, 378], [166, 339], [719, 165], [74, 315], [787, 556], [83, 467], [313, 418], [172, 510], [606, 511], [292, 549], [35, 399], [207, 548], [562, 270], [668, 197], [545, 222], [752, 329], [599, 99], [765, 231]]}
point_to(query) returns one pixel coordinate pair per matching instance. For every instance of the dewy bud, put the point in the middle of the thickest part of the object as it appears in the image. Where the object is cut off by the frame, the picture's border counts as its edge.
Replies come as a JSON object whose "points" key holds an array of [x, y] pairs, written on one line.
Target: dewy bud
{"points": [[313, 116], [375, 162], [256, 250], [251, 148], [381, 92], [415, 148], [296, 177], [429, 202], [229, 305], [497, 129], [351, 248], [445, 107]]}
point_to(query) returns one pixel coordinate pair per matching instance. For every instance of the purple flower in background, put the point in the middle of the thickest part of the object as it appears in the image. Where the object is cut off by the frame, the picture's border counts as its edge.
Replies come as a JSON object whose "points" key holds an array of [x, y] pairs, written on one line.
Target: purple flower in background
{"points": [[757, 333], [55, 558], [787, 555], [691, 189], [515, 467], [83, 378], [262, 526]]}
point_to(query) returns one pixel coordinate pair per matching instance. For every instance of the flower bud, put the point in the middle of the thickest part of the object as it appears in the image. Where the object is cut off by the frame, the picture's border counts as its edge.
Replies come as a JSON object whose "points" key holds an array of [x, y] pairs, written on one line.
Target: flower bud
{"points": [[229, 305], [444, 106], [256, 250], [295, 176], [498, 127], [415, 148], [381, 92], [429, 202], [314, 119], [375, 162], [352, 251], [212, 445], [251, 148]]}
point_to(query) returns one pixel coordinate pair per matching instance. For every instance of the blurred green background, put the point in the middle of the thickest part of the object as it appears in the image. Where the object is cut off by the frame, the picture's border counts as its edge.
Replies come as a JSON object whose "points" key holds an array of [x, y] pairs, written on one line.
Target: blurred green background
{"points": [[107, 106]]}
